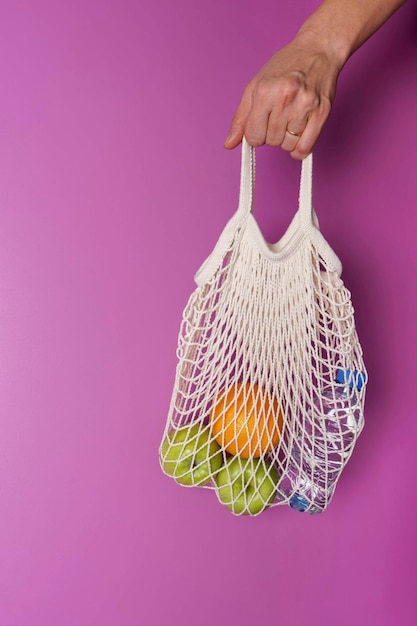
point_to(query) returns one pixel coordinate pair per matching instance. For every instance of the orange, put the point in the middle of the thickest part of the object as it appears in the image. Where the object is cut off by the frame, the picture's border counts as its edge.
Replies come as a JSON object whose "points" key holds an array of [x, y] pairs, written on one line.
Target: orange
{"points": [[244, 421]]}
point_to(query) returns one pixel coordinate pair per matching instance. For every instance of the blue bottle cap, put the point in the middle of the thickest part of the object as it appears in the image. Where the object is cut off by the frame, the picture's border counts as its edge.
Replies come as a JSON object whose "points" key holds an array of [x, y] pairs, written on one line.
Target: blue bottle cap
{"points": [[353, 379], [299, 503]]}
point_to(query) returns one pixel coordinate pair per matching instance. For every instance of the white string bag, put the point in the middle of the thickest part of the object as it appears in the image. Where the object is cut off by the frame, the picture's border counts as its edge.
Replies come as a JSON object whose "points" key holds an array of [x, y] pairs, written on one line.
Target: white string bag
{"points": [[270, 383]]}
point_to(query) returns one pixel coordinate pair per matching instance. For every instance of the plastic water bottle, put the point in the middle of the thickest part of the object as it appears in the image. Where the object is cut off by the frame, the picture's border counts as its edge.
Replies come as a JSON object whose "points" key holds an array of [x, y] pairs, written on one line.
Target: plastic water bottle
{"points": [[319, 454]]}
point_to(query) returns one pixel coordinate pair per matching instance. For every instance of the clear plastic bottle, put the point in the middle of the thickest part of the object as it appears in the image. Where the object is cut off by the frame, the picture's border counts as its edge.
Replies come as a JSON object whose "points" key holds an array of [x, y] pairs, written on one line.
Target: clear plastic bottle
{"points": [[320, 451]]}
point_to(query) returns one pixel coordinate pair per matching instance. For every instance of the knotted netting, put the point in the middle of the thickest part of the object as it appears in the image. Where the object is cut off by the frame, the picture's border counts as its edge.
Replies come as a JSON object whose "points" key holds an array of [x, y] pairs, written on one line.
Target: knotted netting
{"points": [[270, 384]]}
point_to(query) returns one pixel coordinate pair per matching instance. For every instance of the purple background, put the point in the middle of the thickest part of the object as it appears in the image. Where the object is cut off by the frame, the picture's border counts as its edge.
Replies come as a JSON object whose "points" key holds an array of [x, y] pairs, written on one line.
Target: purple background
{"points": [[114, 186]]}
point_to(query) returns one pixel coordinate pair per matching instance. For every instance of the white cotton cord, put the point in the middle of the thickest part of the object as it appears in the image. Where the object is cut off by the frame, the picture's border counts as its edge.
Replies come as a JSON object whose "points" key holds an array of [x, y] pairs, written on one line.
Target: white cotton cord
{"points": [[247, 179]]}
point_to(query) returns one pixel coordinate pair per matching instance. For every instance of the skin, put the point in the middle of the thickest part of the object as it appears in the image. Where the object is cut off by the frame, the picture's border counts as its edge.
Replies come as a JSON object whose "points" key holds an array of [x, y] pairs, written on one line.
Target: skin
{"points": [[296, 88]]}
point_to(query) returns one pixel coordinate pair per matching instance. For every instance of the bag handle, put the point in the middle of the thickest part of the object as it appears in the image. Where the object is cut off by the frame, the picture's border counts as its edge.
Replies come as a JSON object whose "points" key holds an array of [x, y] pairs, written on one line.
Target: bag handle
{"points": [[247, 185], [307, 215], [305, 197], [308, 218], [247, 179]]}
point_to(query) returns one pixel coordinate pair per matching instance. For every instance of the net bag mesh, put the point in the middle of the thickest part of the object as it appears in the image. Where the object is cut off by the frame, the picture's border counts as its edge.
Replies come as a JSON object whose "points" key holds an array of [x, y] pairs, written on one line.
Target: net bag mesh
{"points": [[270, 384]]}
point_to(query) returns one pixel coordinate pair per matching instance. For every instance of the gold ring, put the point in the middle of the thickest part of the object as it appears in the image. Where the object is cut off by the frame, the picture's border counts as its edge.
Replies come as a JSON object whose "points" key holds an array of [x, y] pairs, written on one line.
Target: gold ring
{"points": [[290, 132]]}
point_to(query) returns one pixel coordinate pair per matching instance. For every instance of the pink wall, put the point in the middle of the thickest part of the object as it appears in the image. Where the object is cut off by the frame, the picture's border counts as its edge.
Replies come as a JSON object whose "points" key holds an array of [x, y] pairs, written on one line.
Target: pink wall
{"points": [[113, 188]]}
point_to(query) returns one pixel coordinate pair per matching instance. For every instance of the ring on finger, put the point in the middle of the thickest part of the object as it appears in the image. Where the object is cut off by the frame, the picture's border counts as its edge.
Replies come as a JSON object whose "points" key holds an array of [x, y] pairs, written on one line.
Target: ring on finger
{"points": [[291, 132]]}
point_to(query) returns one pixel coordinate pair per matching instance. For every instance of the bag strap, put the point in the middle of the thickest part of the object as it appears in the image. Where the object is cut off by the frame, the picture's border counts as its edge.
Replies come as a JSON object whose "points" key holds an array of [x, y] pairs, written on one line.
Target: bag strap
{"points": [[305, 199], [247, 179], [308, 218], [247, 185]]}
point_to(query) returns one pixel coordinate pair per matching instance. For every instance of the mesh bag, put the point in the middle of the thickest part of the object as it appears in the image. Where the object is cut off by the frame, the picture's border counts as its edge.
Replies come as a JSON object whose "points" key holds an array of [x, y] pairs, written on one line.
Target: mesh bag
{"points": [[270, 383]]}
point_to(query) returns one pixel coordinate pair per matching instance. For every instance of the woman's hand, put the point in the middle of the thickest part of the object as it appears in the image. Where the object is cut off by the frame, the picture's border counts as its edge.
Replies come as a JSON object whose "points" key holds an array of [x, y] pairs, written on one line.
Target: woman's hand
{"points": [[288, 102]]}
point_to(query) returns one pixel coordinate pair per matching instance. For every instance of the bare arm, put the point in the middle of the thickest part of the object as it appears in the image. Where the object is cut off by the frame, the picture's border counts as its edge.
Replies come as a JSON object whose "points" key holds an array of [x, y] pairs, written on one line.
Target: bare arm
{"points": [[295, 89]]}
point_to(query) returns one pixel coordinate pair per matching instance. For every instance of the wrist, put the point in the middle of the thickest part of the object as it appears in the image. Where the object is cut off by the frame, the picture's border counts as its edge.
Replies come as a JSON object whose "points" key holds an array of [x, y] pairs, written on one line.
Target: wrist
{"points": [[335, 48]]}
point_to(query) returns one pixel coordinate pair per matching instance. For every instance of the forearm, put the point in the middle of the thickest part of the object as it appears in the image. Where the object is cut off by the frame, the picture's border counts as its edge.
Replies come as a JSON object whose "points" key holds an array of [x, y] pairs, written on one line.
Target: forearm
{"points": [[340, 27]]}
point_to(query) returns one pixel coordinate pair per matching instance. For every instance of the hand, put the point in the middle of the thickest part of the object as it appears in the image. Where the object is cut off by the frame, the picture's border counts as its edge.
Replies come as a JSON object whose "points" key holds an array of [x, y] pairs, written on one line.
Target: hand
{"points": [[288, 102]]}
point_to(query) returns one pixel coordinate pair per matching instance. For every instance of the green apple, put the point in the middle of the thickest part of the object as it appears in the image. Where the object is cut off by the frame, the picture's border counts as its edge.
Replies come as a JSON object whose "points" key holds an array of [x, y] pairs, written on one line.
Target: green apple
{"points": [[190, 455], [247, 486]]}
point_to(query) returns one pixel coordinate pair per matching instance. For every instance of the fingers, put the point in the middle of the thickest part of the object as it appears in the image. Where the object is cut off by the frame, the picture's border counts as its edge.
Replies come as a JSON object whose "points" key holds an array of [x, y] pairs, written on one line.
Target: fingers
{"points": [[286, 127], [290, 141], [235, 135], [237, 128], [295, 128], [287, 103], [307, 140]]}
